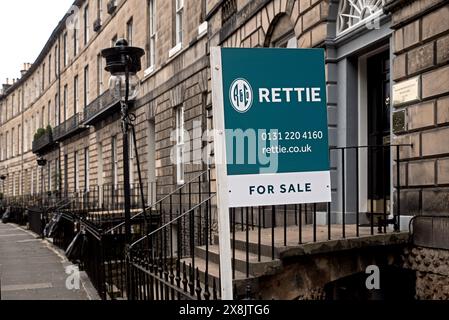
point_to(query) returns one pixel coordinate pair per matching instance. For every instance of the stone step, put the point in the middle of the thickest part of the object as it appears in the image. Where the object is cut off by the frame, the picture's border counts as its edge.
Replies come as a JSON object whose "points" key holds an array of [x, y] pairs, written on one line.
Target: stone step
{"points": [[253, 246], [266, 266], [241, 282]]}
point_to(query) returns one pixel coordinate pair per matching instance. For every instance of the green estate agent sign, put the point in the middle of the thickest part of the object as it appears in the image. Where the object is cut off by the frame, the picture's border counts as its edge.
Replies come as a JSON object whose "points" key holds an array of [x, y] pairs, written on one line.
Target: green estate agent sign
{"points": [[270, 107]]}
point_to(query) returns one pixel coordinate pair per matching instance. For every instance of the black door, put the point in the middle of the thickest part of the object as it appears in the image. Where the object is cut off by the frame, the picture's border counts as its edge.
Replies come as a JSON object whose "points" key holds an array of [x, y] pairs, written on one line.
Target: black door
{"points": [[379, 126]]}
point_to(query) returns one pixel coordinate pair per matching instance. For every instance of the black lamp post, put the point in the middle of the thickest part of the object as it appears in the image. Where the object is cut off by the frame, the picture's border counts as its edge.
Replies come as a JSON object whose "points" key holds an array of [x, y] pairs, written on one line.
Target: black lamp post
{"points": [[41, 162], [123, 62], [3, 178]]}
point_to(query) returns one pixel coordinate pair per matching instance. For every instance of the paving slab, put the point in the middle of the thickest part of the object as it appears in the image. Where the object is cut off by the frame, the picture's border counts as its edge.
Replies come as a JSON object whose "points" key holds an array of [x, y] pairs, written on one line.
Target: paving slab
{"points": [[32, 269]]}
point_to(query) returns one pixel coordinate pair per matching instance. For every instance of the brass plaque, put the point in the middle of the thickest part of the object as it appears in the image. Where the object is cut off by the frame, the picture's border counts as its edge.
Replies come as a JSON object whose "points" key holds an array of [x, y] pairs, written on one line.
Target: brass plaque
{"points": [[406, 91], [399, 121]]}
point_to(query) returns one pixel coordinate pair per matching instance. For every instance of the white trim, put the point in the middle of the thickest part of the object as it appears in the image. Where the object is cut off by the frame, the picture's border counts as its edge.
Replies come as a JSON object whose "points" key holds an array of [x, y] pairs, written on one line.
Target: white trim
{"points": [[245, 189], [365, 21], [148, 71], [221, 173], [202, 29], [362, 133], [173, 51]]}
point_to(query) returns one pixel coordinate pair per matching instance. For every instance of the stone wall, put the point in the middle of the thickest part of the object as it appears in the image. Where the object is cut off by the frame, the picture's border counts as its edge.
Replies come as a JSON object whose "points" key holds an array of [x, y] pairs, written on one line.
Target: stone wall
{"points": [[421, 49], [432, 272]]}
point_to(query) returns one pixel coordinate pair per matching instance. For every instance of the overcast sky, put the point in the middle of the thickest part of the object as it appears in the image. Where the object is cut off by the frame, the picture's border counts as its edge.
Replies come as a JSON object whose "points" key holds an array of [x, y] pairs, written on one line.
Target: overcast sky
{"points": [[25, 27]]}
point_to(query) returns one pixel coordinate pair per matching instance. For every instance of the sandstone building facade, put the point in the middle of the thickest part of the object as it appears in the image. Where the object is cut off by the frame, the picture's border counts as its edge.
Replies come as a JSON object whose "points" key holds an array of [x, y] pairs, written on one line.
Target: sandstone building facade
{"points": [[373, 47]]}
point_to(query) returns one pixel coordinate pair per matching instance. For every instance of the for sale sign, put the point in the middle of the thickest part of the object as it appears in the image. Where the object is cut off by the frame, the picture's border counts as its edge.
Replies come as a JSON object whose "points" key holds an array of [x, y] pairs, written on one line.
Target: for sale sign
{"points": [[271, 118]]}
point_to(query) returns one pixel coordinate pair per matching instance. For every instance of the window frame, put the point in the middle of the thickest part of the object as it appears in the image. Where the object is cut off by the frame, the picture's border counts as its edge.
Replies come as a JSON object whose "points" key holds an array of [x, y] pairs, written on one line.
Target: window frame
{"points": [[180, 144], [151, 33], [86, 24], [179, 17]]}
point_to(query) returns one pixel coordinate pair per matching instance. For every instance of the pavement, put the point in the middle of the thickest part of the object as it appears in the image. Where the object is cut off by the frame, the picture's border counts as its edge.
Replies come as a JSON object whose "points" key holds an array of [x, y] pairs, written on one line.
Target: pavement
{"points": [[33, 269]]}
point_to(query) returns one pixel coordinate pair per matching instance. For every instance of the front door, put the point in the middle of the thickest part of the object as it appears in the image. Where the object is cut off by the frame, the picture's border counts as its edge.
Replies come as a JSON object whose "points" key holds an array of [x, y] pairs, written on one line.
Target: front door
{"points": [[379, 160]]}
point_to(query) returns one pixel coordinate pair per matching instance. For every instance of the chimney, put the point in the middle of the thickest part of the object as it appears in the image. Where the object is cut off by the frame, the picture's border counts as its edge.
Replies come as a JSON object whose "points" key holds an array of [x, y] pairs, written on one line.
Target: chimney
{"points": [[25, 68], [6, 85]]}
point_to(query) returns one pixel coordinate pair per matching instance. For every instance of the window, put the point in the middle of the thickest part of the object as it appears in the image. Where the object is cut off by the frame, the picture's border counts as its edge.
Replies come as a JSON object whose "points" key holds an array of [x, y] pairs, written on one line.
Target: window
{"points": [[353, 13], [57, 118], [43, 117], [86, 86], [26, 134], [13, 107], [19, 141], [151, 33], [100, 164], [56, 61], [1, 147], [114, 161], [65, 102], [179, 18], [99, 75], [13, 183], [43, 76], [180, 144], [75, 171], [75, 42], [129, 31], [49, 113], [75, 95], [33, 131], [13, 145], [32, 181], [86, 25], [99, 9], [57, 174], [86, 169], [49, 69], [49, 178], [66, 56], [6, 143], [38, 119]]}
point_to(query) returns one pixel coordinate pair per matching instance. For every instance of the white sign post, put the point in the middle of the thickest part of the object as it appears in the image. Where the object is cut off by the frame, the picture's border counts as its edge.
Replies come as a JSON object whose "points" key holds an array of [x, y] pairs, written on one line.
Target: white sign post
{"points": [[221, 173], [271, 133]]}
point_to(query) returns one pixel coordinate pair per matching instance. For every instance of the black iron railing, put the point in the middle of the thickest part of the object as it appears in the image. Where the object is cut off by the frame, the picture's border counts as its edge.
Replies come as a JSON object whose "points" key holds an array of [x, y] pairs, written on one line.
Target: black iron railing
{"points": [[180, 259], [174, 251], [104, 205], [228, 10], [99, 106], [162, 265], [68, 127], [45, 142]]}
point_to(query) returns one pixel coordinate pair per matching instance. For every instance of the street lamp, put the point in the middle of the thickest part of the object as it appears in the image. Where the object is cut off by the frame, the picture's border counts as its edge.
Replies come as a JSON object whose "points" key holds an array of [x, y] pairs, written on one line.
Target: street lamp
{"points": [[123, 62], [41, 162], [3, 178]]}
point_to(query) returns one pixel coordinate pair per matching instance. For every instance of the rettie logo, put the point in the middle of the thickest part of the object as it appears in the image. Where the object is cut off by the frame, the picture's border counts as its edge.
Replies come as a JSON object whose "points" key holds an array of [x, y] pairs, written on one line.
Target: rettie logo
{"points": [[241, 95]]}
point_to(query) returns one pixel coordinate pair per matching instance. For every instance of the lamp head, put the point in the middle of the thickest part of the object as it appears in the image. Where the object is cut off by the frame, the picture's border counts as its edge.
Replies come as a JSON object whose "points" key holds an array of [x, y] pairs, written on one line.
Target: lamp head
{"points": [[41, 162], [121, 59]]}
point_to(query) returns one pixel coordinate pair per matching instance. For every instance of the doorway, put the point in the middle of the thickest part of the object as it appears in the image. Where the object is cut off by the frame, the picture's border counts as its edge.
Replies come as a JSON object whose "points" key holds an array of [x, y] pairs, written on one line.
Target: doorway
{"points": [[378, 134]]}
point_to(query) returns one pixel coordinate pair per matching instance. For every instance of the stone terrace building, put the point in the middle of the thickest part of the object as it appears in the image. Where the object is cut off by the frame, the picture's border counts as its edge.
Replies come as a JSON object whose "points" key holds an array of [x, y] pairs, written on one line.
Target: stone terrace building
{"points": [[375, 51]]}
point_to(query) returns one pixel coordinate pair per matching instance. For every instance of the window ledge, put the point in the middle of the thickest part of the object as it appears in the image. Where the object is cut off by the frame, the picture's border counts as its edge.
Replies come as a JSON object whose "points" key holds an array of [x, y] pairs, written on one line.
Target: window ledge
{"points": [[149, 71], [202, 29], [175, 50]]}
